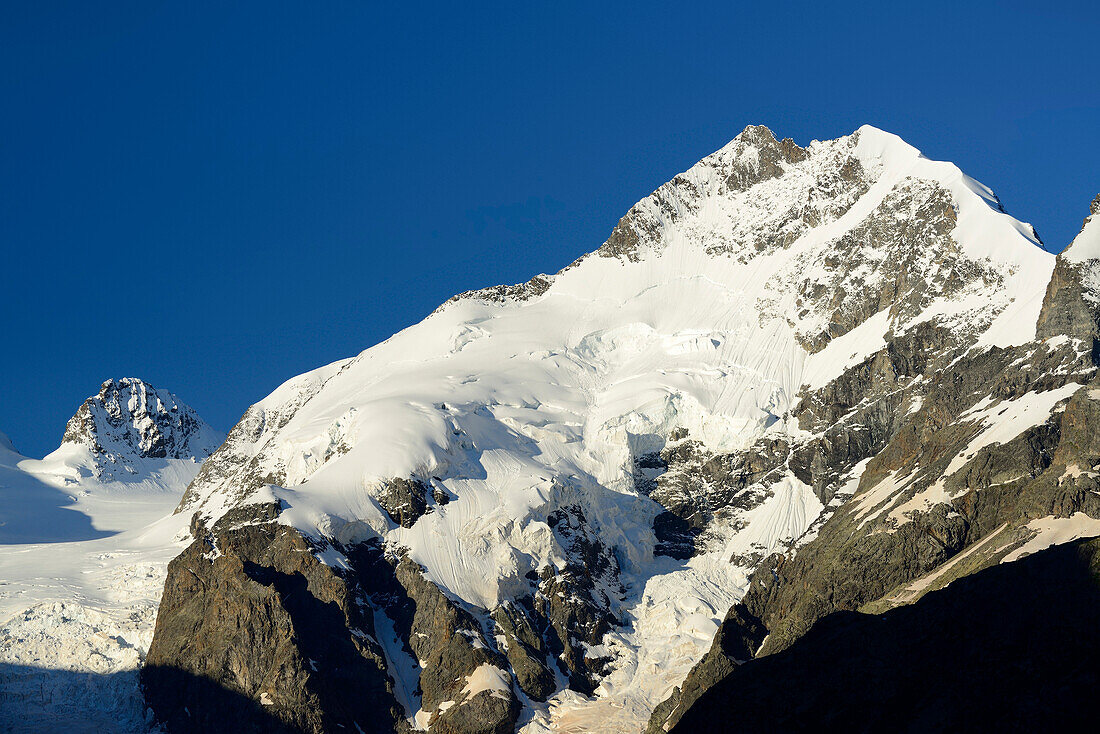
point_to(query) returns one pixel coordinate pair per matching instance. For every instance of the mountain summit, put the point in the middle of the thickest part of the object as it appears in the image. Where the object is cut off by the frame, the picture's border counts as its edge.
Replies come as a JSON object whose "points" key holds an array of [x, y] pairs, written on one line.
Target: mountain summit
{"points": [[125, 450], [818, 364], [130, 419]]}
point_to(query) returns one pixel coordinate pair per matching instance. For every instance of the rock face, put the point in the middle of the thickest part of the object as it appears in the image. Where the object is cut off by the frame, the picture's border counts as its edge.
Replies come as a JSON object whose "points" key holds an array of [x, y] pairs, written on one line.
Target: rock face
{"points": [[932, 501], [958, 659], [794, 382], [129, 420], [1073, 295], [249, 608]]}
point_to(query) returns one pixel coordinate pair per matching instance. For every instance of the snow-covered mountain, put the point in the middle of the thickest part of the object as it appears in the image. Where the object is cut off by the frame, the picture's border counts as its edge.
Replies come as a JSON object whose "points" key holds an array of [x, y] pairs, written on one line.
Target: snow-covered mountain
{"points": [[85, 536], [124, 451], [535, 507], [130, 422]]}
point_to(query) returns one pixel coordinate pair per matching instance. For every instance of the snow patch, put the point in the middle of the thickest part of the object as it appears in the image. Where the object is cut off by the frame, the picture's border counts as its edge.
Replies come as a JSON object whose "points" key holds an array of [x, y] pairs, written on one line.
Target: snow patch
{"points": [[1055, 531]]}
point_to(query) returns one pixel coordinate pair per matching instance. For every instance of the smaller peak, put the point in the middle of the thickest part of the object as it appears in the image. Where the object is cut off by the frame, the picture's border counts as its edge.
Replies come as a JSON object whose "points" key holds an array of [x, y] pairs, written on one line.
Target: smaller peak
{"points": [[1086, 245], [757, 135], [129, 419]]}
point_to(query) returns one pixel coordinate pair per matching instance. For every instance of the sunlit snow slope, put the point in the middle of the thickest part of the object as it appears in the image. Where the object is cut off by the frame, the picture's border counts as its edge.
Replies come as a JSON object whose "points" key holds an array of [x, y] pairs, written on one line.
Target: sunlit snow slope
{"points": [[763, 269]]}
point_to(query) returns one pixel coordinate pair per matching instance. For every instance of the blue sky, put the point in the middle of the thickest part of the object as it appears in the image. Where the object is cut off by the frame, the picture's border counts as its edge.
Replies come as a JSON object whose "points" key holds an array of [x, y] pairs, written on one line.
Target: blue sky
{"points": [[217, 198]]}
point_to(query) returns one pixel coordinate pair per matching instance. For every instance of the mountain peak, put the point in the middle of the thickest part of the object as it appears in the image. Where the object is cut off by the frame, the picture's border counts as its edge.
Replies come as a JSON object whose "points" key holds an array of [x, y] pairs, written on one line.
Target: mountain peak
{"points": [[756, 134], [130, 419], [1086, 245]]}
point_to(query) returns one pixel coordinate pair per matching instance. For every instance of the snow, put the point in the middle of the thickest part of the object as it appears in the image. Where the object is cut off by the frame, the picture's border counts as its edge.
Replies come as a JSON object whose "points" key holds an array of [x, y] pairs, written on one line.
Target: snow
{"points": [[79, 617], [76, 670], [1005, 420], [1055, 531], [487, 677], [846, 351], [84, 549], [403, 669], [517, 407], [1086, 245], [868, 505], [674, 618]]}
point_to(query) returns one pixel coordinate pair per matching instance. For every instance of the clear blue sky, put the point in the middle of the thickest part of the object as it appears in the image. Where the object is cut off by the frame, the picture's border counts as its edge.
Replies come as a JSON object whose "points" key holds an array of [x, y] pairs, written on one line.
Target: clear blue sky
{"points": [[217, 198]]}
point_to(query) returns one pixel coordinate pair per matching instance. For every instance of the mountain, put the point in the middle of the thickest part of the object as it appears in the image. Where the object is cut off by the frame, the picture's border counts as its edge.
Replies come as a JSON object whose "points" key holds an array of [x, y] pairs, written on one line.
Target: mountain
{"points": [[130, 421], [794, 381], [85, 537], [123, 451]]}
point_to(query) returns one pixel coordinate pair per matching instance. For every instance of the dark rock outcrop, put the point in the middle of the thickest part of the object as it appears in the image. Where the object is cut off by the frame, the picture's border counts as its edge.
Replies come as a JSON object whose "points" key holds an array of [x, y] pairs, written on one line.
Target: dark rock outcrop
{"points": [[1071, 306], [248, 607], [1010, 648], [1065, 310], [573, 602], [449, 643], [404, 500], [695, 486], [527, 651]]}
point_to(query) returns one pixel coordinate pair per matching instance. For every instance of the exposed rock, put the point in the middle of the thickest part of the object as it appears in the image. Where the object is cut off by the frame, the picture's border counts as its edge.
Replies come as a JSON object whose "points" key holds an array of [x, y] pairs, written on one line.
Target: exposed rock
{"points": [[248, 607], [694, 485], [1072, 303], [404, 500], [573, 601], [451, 648], [899, 258], [129, 419], [505, 293], [526, 648], [754, 158]]}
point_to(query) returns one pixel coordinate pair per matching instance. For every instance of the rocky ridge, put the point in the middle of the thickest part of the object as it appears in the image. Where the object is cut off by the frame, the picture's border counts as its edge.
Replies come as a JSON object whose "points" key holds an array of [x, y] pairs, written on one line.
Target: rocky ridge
{"points": [[130, 420], [931, 501]]}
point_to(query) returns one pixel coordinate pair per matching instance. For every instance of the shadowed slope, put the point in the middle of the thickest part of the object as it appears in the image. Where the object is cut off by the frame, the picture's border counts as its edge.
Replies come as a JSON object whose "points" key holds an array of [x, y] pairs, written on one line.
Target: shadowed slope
{"points": [[1015, 647]]}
